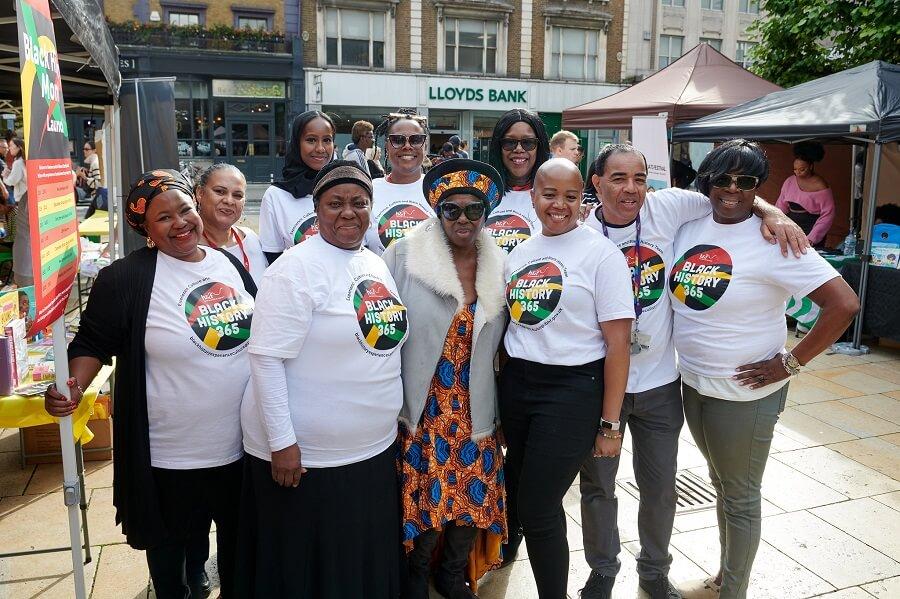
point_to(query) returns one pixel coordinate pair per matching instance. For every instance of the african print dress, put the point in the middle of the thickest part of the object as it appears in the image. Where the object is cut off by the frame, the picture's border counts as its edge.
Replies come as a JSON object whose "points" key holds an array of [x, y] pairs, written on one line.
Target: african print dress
{"points": [[445, 476]]}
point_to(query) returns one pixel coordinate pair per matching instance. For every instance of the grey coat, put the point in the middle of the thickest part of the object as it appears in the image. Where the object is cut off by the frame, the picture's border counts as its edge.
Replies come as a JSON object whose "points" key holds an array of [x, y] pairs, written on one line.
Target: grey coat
{"points": [[429, 287]]}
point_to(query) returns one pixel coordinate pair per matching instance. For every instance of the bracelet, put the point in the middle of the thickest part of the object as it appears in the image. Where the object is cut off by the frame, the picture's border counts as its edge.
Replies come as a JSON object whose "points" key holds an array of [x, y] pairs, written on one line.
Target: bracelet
{"points": [[607, 434]]}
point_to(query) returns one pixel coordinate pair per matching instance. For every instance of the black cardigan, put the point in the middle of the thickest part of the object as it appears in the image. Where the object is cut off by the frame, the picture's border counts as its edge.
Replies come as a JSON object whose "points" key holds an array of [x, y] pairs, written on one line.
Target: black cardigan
{"points": [[113, 324]]}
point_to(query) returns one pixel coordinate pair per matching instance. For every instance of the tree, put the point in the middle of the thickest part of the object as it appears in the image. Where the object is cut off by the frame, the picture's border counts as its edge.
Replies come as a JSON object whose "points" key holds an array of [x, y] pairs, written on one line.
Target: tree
{"points": [[801, 40]]}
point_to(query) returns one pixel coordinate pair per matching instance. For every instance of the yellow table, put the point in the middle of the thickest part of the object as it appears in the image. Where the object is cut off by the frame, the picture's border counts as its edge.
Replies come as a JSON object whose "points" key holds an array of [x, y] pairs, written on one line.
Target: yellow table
{"points": [[95, 226]]}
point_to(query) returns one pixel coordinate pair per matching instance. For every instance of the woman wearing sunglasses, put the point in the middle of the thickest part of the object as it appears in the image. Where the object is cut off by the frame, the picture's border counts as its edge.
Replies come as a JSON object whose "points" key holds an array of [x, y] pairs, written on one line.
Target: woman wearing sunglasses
{"points": [[519, 146], [728, 290], [397, 203], [450, 274]]}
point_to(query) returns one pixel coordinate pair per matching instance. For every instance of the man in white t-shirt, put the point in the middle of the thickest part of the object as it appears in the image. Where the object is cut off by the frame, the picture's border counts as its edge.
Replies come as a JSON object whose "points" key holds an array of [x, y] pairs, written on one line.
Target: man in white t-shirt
{"points": [[652, 408]]}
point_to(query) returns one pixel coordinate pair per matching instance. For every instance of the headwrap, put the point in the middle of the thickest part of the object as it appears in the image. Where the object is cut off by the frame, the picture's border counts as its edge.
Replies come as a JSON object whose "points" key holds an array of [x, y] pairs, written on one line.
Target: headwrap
{"points": [[297, 177], [150, 185], [337, 172], [461, 175]]}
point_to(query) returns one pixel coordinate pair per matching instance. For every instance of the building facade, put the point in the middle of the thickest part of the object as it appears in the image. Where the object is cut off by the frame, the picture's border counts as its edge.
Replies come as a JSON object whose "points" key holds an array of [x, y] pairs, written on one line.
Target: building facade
{"points": [[238, 73], [462, 63], [657, 32]]}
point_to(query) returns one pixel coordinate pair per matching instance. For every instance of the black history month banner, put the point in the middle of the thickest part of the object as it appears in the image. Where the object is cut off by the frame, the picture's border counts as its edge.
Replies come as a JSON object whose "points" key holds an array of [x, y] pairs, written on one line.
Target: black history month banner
{"points": [[51, 198]]}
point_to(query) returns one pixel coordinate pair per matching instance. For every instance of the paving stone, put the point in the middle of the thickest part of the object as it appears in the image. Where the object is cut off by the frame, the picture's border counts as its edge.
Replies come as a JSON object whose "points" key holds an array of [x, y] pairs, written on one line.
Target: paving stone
{"points": [[879, 405], [48, 575], [851, 593], [807, 430], [791, 490], [13, 477], [808, 388], [892, 500], [49, 477], [9, 440], [121, 572], [850, 377], [874, 452], [884, 589], [850, 419], [838, 472], [873, 523]]}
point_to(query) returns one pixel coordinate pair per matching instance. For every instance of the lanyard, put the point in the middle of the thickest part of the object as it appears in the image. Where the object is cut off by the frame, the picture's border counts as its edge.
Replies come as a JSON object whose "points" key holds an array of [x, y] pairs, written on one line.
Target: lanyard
{"points": [[636, 269], [240, 244]]}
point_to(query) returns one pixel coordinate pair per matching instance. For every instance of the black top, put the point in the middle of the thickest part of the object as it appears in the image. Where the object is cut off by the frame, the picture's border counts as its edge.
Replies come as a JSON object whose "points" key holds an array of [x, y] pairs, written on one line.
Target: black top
{"points": [[113, 325]]}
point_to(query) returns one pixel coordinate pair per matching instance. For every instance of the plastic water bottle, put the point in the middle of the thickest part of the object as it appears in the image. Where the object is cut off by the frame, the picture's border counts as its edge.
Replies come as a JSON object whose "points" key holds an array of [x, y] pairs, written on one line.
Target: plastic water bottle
{"points": [[850, 243], [2, 232]]}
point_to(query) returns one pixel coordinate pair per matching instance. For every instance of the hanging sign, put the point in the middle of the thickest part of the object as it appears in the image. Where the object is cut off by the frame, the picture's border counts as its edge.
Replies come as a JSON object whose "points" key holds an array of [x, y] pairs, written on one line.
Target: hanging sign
{"points": [[649, 136]]}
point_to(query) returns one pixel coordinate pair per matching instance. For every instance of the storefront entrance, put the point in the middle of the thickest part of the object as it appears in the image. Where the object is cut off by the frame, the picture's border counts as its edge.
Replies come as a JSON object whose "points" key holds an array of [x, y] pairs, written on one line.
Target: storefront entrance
{"points": [[250, 147]]}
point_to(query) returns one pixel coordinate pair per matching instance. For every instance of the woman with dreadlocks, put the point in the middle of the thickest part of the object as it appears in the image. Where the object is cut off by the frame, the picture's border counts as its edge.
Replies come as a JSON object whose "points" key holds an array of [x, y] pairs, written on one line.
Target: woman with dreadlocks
{"points": [[397, 202]]}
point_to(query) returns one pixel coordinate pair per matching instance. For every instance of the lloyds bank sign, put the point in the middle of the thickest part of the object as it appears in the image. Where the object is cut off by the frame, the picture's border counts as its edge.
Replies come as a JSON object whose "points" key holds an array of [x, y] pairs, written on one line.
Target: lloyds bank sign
{"points": [[477, 94]]}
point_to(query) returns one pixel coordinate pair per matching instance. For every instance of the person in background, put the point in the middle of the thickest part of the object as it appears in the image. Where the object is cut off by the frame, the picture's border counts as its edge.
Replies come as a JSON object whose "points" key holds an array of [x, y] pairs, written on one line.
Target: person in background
{"points": [[683, 173], [90, 180], [397, 202], [176, 318], [519, 146], [565, 144], [805, 195], [4, 190], [321, 508], [221, 192], [449, 273], [730, 332], [455, 141], [463, 149], [286, 213], [447, 153], [569, 296], [17, 177], [363, 136]]}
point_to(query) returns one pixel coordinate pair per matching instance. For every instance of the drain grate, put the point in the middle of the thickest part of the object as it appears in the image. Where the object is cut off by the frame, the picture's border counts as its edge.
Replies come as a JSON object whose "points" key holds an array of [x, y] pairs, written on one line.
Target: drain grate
{"points": [[694, 494]]}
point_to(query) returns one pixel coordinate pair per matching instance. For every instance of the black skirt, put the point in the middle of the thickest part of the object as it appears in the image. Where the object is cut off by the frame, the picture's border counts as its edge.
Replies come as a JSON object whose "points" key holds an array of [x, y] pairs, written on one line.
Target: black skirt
{"points": [[335, 536]]}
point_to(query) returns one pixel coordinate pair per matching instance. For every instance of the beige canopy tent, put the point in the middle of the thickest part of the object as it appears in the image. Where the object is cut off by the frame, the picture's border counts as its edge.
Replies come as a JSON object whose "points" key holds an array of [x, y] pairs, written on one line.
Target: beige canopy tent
{"points": [[701, 82]]}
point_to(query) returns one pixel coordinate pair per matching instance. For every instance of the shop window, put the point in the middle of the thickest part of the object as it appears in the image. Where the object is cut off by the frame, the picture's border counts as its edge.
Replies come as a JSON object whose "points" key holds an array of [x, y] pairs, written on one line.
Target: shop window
{"points": [[184, 14], [355, 38], [673, 2], [748, 6], [577, 54], [470, 46], [715, 42], [670, 49], [193, 125], [253, 19], [742, 54], [711, 4]]}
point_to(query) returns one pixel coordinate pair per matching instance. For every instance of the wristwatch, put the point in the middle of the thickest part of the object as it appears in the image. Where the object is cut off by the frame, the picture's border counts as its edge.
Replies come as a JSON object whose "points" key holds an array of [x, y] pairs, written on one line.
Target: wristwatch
{"points": [[610, 425], [791, 364]]}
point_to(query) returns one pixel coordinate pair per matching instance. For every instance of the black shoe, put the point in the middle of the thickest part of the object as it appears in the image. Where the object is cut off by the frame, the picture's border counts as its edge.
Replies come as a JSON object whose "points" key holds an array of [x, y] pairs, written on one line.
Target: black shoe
{"points": [[597, 586], [453, 588], [659, 588], [201, 587]]}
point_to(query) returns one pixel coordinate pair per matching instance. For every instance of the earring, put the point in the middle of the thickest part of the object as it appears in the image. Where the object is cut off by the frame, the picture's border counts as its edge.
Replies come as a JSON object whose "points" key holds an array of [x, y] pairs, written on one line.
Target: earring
{"points": [[150, 243]]}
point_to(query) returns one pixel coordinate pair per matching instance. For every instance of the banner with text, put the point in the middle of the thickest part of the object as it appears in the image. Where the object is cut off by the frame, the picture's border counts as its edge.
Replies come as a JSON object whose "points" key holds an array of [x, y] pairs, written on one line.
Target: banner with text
{"points": [[649, 136], [51, 197]]}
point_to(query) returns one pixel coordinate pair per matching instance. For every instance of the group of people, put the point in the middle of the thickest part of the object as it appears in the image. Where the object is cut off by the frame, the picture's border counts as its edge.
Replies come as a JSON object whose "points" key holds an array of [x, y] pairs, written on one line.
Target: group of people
{"points": [[398, 380]]}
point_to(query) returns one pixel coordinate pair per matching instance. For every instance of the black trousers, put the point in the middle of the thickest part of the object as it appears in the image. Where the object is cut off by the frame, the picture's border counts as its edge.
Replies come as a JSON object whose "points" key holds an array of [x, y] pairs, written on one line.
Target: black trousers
{"points": [[550, 416], [188, 498]]}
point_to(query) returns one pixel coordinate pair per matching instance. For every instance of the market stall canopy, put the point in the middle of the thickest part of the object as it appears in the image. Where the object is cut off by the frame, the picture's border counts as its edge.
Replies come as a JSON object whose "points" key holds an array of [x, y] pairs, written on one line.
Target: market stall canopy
{"points": [[88, 58], [700, 83], [862, 102]]}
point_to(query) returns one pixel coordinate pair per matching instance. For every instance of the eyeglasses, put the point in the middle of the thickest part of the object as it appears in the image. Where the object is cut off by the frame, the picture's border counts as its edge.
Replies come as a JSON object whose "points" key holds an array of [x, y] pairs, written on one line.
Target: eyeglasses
{"points": [[452, 211], [528, 144], [88, 149], [415, 140], [743, 182]]}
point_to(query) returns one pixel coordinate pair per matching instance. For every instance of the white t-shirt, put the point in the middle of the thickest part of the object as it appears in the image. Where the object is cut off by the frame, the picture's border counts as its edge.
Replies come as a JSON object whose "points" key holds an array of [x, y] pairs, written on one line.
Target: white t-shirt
{"points": [[335, 318], [662, 214], [513, 220], [558, 288], [396, 208], [197, 363], [253, 250], [284, 220], [729, 288]]}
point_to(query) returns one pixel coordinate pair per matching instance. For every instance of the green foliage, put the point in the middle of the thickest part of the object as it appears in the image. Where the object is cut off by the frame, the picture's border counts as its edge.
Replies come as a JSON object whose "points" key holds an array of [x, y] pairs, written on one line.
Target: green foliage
{"points": [[801, 40]]}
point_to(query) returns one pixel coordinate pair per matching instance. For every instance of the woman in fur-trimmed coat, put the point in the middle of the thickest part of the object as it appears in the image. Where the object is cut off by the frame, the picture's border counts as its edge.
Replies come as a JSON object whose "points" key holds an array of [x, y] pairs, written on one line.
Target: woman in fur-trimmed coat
{"points": [[449, 273]]}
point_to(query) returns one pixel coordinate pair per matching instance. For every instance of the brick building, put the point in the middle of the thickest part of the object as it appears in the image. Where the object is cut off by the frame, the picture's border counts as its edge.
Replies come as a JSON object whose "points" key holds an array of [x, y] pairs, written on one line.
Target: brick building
{"points": [[460, 62]]}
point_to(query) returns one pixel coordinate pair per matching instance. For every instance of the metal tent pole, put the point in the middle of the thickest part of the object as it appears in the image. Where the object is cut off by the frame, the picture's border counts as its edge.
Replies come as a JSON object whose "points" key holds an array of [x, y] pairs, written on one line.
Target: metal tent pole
{"points": [[867, 246]]}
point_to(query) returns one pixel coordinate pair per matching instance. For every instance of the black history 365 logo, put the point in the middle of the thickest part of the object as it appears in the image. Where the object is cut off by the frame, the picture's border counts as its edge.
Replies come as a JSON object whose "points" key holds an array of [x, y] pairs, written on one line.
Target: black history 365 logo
{"points": [[397, 220], [701, 276], [508, 230], [219, 315], [652, 273], [306, 229], [381, 316], [533, 292]]}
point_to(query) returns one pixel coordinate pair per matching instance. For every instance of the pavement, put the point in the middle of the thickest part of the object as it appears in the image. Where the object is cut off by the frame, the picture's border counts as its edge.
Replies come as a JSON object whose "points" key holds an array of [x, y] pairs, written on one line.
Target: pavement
{"points": [[831, 510]]}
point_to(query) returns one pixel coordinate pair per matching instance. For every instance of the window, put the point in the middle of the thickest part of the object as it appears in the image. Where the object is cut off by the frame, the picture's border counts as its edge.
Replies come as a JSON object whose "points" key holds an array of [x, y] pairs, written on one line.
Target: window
{"points": [[715, 42], [670, 47], [711, 4], [576, 54], [470, 46], [741, 56], [253, 20], [192, 122], [183, 18], [354, 38], [183, 14], [748, 6], [673, 2]]}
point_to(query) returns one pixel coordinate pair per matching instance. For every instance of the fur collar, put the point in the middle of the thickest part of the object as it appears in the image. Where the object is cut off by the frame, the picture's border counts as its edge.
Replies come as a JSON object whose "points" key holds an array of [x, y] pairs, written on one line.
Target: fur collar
{"points": [[429, 260]]}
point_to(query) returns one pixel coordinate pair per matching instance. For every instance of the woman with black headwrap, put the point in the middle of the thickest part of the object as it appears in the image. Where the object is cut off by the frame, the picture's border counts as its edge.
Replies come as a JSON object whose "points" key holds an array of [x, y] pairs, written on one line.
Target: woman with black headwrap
{"points": [[286, 214], [176, 317]]}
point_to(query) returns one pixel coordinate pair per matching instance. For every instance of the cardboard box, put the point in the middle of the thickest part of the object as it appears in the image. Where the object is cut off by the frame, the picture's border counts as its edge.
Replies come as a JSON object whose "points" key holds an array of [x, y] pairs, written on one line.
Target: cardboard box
{"points": [[40, 444]]}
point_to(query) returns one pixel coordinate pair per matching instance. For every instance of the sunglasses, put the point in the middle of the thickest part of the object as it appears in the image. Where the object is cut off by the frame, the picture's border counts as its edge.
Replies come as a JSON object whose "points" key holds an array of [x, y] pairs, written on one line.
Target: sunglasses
{"points": [[415, 140], [743, 182], [452, 211], [528, 144]]}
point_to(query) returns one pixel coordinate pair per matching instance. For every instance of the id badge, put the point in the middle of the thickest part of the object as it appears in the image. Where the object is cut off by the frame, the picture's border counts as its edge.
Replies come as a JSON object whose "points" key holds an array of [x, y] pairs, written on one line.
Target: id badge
{"points": [[643, 340], [635, 343]]}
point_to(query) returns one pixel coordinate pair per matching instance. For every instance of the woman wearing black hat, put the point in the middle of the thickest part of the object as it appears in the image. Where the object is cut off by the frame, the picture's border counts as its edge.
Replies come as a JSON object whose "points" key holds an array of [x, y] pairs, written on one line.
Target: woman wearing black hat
{"points": [[177, 318], [450, 274], [320, 504]]}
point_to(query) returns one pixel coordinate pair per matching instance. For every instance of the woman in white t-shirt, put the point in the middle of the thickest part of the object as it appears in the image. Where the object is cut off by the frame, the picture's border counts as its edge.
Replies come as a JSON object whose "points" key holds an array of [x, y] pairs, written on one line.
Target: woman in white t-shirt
{"points": [[728, 290], [571, 305], [286, 213], [327, 333], [397, 202], [176, 318], [16, 176], [221, 192], [519, 147]]}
